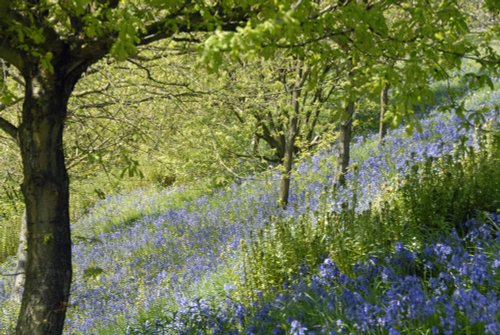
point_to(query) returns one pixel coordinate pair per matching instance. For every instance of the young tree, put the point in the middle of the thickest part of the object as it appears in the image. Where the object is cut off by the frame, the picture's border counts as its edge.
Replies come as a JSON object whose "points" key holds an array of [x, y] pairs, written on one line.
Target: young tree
{"points": [[292, 133], [384, 106], [280, 106], [408, 42], [21, 260]]}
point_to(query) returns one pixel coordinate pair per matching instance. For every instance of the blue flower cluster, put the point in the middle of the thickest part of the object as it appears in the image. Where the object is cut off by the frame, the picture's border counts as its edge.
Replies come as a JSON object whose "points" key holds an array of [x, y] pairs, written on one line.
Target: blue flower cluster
{"points": [[448, 287]]}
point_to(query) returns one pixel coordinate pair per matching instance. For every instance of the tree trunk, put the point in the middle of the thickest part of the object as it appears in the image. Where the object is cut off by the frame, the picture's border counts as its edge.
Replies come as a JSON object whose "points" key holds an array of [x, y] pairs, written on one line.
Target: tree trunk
{"points": [[344, 142], [291, 136], [22, 256], [288, 163], [46, 194], [384, 104]]}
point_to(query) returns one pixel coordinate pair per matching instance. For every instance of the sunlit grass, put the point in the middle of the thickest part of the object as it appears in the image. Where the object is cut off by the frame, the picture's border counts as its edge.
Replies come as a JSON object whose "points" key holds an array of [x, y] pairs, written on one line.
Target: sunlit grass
{"points": [[179, 261]]}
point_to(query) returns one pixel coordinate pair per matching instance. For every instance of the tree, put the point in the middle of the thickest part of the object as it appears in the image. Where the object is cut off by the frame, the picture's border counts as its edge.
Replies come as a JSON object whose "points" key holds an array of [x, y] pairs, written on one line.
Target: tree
{"points": [[21, 260], [52, 44], [279, 105], [409, 43], [384, 105], [292, 133]]}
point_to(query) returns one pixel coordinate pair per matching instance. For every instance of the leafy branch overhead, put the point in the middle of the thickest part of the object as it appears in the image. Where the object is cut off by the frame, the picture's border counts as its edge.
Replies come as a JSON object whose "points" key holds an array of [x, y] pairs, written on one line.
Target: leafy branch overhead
{"points": [[355, 46], [85, 31], [406, 42]]}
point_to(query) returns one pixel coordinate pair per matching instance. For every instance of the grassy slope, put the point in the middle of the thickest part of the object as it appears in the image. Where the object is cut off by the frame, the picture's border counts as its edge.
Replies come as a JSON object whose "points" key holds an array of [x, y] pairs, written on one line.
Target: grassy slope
{"points": [[128, 263]]}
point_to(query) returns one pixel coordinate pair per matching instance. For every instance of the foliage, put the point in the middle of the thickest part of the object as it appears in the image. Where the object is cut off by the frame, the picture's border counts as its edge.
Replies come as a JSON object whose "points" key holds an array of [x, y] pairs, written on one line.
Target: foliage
{"points": [[439, 190], [158, 264], [52, 44], [423, 39], [385, 41], [126, 129]]}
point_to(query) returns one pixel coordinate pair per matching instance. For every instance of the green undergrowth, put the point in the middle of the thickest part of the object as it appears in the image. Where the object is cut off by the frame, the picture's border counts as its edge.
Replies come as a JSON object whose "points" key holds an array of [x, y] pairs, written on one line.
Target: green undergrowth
{"points": [[434, 197], [9, 236]]}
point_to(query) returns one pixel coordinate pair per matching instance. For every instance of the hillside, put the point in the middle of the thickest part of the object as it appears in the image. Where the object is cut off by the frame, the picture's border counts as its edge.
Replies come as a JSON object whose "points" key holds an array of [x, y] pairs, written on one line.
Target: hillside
{"points": [[410, 243]]}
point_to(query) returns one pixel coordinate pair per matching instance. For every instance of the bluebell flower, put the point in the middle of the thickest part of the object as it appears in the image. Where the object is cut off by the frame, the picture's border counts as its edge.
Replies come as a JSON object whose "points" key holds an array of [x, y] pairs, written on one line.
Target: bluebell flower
{"points": [[393, 331], [297, 328], [492, 328]]}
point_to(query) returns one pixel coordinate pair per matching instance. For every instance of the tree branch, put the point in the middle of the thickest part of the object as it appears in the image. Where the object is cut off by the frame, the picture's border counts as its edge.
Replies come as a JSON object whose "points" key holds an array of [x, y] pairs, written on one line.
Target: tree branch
{"points": [[11, 274], [9, 128], [192, 22], [314, 40], [9, 54]]}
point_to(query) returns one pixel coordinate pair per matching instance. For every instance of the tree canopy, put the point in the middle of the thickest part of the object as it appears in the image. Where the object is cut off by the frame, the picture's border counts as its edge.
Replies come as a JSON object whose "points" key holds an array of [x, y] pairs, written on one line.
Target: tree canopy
{"points": [[53, 43]]}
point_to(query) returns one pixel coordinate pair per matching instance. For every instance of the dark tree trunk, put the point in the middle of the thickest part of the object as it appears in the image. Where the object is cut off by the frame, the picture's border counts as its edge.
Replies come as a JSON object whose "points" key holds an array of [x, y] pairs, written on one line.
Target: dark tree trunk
{"points": [[22, 256], [46, 194], [344, 147], [384, 104]]}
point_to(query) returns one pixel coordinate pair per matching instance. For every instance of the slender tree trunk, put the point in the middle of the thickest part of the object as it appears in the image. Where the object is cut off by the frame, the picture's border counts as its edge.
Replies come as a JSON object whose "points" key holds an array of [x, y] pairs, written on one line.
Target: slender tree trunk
{"points": [[288, 162], [22, 256], [255, 144], [46, 194], [384, 104], [344, 145], [291, 136]]}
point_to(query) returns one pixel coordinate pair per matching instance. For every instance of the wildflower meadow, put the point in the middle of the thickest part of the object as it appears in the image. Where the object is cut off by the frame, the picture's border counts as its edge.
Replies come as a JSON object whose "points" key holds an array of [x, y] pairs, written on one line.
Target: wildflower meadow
{"points": [[410, 245]]}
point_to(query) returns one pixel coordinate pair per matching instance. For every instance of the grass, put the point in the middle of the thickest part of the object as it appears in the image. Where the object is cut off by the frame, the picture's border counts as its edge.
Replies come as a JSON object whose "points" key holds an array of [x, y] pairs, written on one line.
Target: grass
{"points": [[10, 218], [179, 262]]}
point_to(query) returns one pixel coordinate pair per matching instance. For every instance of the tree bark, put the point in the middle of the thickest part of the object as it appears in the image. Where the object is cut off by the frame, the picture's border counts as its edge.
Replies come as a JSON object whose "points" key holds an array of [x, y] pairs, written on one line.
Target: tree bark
{"points": [[22, 256], [344, 147], [291, 137], [288, 162], [46, 194], [384, 104]]}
